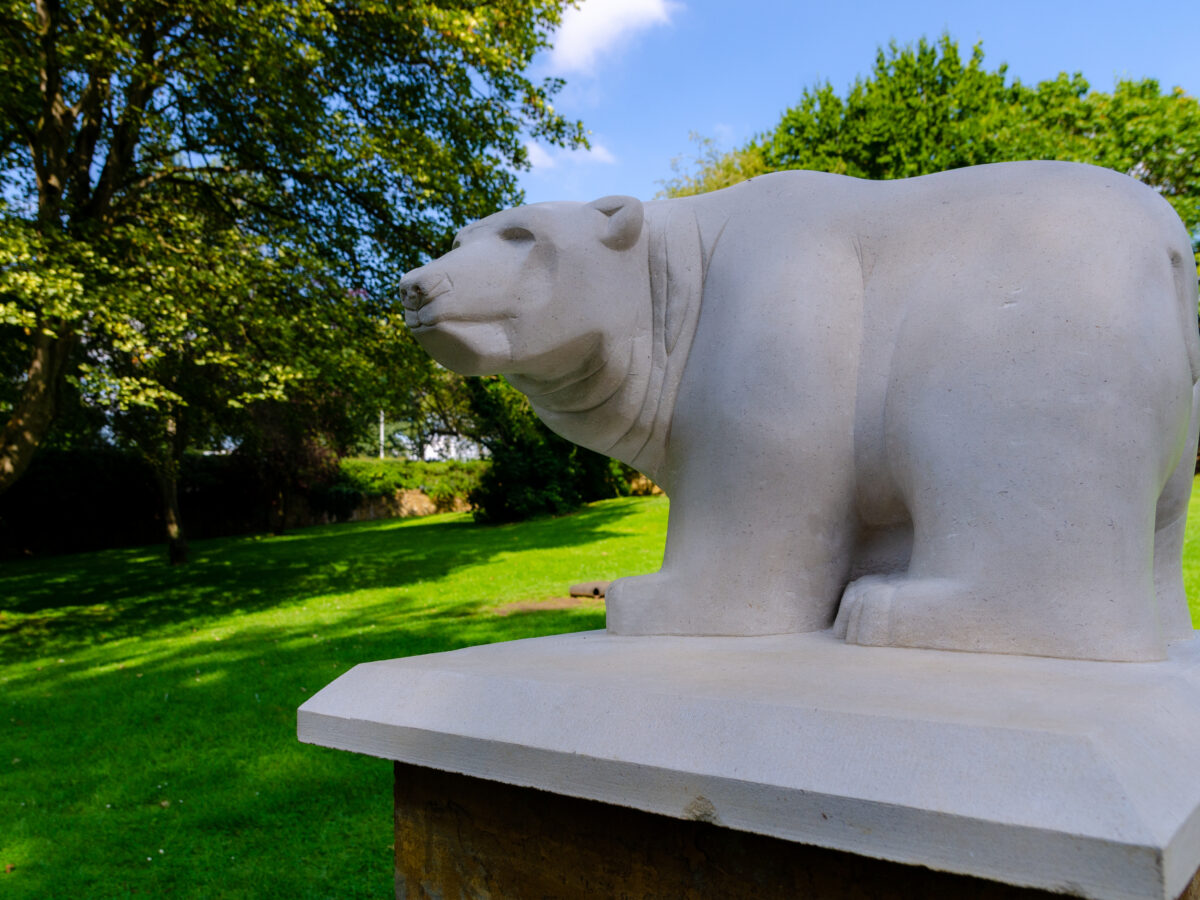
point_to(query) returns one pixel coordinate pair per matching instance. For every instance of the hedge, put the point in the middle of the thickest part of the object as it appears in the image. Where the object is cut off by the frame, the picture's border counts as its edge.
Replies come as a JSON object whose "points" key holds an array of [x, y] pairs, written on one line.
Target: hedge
{"points": [[70, 501], [442, 481]]}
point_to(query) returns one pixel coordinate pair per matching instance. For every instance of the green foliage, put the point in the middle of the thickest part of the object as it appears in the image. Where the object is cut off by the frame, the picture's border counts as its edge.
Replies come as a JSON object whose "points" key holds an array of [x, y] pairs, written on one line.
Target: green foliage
{"points": [[533, 471], [924, 109], [441, 480], [433, 405], [713, 169], [208, 204], [148, 708]]}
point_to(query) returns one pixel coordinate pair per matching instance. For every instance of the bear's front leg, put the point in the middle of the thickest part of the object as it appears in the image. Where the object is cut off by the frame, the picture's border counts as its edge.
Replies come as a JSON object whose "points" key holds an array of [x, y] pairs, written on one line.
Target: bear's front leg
{"points": [[764, 552], [760, 462]]}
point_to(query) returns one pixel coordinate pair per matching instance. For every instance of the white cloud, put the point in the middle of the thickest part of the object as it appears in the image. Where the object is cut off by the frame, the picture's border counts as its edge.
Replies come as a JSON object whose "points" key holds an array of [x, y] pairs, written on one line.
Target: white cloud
{"points": [[596, 27], [538, 157], [543, 159], [599, 154]]}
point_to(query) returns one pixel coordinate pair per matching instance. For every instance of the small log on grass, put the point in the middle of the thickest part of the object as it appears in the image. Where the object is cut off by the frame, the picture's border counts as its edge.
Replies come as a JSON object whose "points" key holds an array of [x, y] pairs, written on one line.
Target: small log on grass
{"points": [[590, 589]]}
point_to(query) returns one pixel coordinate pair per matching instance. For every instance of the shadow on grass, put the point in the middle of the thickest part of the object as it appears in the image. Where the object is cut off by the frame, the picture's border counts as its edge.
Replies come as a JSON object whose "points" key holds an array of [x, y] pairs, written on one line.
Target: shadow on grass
{"points": [[126, 592]]}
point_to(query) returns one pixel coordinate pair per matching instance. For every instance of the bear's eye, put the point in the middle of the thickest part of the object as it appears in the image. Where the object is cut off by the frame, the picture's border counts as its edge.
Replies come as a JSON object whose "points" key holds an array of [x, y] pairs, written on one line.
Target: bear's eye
{"points": [[516, 233]]}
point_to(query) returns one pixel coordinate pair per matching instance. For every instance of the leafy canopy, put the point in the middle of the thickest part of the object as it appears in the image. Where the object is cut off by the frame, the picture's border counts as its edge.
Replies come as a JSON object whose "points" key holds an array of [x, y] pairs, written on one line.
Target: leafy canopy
{"points": [[210, 200], [533, 471]]}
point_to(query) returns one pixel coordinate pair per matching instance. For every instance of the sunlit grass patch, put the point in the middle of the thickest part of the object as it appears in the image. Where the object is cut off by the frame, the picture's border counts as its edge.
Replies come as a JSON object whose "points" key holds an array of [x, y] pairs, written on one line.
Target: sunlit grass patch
{"points": [[1191, 555], [148, 714]]}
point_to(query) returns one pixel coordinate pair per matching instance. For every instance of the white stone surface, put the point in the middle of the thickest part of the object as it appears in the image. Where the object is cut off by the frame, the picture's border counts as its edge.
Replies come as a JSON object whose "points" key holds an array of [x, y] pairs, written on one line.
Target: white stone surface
{"points": [[1061, 774], [954, 411]]}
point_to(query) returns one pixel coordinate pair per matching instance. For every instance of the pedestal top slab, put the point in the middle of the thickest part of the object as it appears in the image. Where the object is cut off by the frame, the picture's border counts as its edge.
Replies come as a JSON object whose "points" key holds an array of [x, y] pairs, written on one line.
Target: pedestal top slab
{"points": [[1060, 774]]}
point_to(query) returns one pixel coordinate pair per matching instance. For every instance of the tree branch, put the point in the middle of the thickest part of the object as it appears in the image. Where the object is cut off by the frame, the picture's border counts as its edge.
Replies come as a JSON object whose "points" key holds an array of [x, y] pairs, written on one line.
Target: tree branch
{"points": [[89, 111], [49, 145], [125, 138], [174, 173]]}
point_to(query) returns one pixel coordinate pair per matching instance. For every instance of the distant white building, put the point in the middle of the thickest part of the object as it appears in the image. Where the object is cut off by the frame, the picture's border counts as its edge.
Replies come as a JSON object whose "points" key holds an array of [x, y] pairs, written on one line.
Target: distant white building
{"points": [[445, 446]]}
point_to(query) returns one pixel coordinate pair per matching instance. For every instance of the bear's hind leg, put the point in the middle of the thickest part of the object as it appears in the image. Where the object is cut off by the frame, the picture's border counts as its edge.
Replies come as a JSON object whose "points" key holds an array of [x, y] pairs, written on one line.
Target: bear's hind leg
{"points": [[1011, 570], [1033, 491]]}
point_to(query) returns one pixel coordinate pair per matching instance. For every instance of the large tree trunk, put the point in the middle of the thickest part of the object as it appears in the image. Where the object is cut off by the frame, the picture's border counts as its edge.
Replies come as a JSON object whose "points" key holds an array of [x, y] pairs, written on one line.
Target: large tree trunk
{"points": [[34, 409], [166, 467], [279, 510], [177, 547]]}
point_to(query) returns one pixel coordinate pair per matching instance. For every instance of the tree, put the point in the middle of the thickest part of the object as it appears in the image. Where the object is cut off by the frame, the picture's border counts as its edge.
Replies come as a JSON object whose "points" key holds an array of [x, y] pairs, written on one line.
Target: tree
{"points": [[533, 471], [206, 204], [340, 142], [435, 406], [713, 169], [924, 109]]}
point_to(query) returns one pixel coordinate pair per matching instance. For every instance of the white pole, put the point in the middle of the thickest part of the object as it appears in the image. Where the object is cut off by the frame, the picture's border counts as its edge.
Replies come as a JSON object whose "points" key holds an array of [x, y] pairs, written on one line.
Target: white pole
{"points": [[381, 434]]}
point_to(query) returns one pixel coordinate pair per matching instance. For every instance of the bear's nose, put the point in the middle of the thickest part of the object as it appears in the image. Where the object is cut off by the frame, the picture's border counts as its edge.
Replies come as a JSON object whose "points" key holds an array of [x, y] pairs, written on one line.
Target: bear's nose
{"points": [[419, 287]]}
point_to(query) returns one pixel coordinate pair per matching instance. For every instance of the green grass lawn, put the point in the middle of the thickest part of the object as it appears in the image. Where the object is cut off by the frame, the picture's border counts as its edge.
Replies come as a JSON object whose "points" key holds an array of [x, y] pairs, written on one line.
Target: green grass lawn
{"points": [[147, 714], [1191, 554]]}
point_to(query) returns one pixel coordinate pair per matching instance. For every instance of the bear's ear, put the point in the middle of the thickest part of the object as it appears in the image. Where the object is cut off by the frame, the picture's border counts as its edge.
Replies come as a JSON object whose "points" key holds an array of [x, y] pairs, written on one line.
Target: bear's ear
{"points": [[625, 220]]}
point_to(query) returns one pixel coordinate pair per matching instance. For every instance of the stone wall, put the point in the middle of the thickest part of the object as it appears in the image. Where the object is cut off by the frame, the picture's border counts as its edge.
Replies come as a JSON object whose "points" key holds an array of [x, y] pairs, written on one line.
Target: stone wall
{"points": [[405, 504]]}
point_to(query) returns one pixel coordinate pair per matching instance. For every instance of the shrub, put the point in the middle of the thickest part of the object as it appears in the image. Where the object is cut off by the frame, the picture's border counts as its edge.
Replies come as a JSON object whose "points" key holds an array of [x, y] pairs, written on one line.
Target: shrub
{"points": [[533, 471], [442, 481]]}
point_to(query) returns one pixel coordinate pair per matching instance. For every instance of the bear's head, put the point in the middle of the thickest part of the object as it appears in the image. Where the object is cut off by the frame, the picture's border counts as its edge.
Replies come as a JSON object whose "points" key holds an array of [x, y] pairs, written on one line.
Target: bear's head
{"points": [[536, 291]]}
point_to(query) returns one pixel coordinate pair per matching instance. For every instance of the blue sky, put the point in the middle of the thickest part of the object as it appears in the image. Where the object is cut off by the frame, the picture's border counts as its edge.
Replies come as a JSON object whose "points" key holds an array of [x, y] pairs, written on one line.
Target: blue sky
{"points": [[642, 74]]}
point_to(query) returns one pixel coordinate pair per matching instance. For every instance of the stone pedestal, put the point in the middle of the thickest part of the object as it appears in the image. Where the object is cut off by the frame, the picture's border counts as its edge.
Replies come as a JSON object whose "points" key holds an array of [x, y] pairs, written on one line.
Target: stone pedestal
{"points": [[792, 765]]}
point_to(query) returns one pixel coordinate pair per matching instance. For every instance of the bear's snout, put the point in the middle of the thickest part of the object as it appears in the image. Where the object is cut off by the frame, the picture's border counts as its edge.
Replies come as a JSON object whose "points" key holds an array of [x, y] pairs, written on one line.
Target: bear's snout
{"points": [[419, 287]]}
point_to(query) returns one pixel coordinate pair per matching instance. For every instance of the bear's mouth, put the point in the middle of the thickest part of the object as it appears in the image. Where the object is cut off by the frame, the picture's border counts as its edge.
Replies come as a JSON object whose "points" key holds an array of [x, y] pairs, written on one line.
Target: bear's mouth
{"points": [[414, 319], [427, 318]]}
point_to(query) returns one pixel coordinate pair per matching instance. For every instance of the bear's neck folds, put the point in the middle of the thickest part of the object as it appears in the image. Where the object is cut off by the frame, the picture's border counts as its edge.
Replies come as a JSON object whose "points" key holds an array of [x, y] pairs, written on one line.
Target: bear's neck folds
{"points": [[621, 404]]}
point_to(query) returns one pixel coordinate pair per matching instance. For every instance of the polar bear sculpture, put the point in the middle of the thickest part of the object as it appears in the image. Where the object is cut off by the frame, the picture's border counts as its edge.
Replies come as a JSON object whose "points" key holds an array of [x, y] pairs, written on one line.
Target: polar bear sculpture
{"points": [[955, 411]]}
